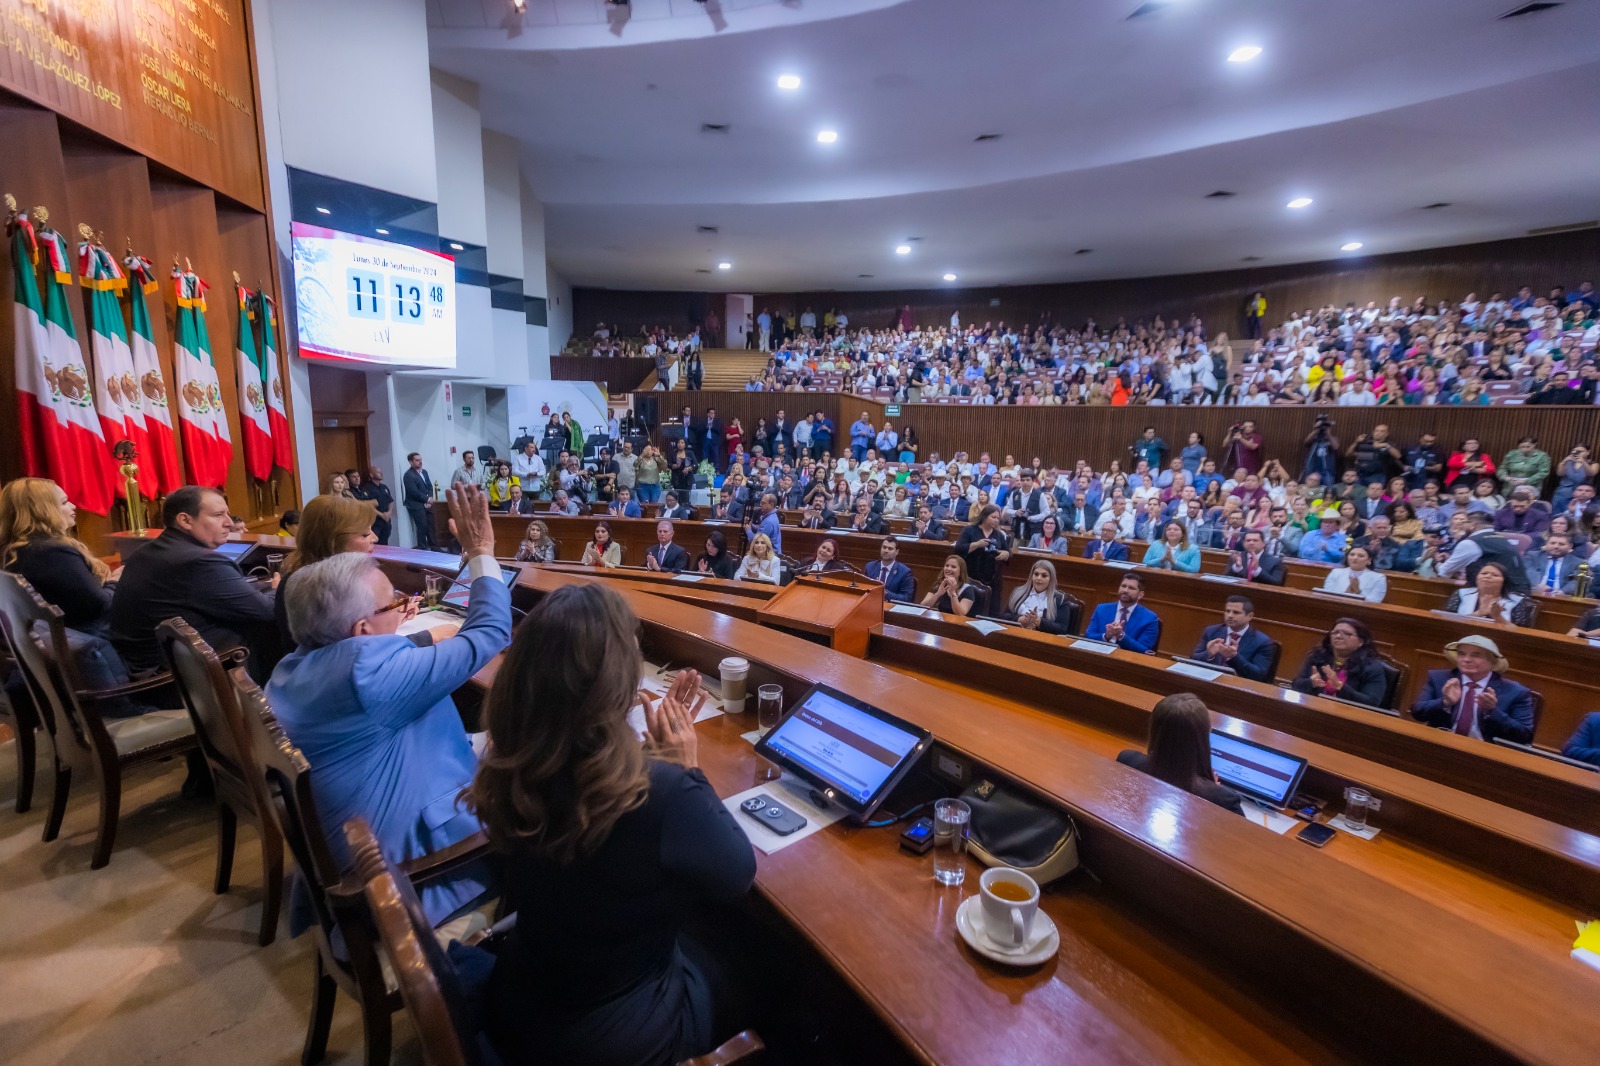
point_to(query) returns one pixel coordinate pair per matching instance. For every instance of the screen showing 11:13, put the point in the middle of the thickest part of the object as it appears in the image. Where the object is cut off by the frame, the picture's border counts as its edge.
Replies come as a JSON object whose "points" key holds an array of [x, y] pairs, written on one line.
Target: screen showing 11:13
{"points": [[395, 297]]}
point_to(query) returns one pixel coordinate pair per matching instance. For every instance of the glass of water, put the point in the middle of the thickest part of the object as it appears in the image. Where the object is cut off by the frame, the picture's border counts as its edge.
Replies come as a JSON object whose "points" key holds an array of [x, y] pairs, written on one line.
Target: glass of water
{"points": [[951, 819], [769, 706], [434, 589]]}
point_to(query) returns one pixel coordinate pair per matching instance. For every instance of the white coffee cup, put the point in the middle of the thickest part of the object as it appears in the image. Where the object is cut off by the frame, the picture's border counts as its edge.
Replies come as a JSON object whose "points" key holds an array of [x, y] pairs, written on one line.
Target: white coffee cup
{"points": [[735, 673], [1008, 921]]}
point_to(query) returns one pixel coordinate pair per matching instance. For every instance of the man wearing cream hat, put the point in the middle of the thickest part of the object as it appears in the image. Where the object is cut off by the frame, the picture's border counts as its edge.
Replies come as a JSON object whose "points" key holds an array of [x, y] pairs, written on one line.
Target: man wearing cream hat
{"points": [[1327, 543], [1475, 699]]}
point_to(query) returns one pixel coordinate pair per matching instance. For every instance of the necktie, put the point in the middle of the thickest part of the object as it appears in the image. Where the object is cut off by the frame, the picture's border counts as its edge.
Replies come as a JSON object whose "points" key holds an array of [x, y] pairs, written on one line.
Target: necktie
{"points": [[1467, 713], [1233, 640], [1249, 567], [1550, 577], [1122, 615]]}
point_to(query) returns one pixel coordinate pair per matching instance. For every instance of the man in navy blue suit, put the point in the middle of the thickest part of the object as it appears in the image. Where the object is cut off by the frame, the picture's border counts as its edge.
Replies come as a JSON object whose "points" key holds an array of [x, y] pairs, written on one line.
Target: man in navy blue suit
{"points": [[1475, 699], [1106, 547], [1237, 643], [1585, 743], [1126, 623], [898, 584], [663, 554]]}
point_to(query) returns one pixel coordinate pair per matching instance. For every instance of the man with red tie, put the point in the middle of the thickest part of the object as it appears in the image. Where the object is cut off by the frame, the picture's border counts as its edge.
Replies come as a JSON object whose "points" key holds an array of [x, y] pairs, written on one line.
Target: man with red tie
{"points": [[1254, 563], [1237, 643], [1474, 699]]}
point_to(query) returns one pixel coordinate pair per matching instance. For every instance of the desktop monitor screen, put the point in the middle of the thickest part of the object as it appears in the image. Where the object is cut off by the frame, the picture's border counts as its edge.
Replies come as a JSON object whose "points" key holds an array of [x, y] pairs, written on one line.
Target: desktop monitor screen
{"points": [[235, 549], [852, 750], [1255, 769]]}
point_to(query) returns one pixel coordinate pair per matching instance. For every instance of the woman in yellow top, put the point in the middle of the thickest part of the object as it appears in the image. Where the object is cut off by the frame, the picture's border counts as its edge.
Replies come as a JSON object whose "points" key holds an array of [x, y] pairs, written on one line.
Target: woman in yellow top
{"points": [[501, 484]]}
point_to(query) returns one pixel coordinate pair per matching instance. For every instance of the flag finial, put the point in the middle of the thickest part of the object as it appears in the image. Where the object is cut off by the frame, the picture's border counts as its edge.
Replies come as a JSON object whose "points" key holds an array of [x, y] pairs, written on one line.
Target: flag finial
{"points": [[11, 203], [85, 231], [41, 214]]}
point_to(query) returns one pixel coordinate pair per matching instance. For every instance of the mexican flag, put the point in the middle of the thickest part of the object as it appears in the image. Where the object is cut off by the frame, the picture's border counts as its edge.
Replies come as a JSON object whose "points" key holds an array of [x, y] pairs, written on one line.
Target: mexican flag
{"points": [[117, 397], [203, 424], [61, 437], [277, 415], [252, 396], [160, 459]]}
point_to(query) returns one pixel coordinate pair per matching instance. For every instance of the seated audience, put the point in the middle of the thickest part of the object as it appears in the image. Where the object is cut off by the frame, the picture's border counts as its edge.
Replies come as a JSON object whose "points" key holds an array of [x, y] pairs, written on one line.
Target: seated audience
{"points": [[664, 554], [536, 546], [1179, 750], [617, 841], [1254, 563], [1174, 550], [954, 594], [289, 521], [927, 526], [1126, 623], [1554, 571], [560, 503], [1490, 598], [673, 510], [825, 559], [179, 573], [1237, 643], [624, 506], [760, 563], [1328, 542], [866, 520], [603, 550], [1049, 538], [1474, 698], [1519, 515], [1106, 547], [1038, 603], [1356, 577], [1584, 744], [372, 711], [1345, 665], [1588, 625], [331, 525], [36, 544], [715, 560], [899, 585]]}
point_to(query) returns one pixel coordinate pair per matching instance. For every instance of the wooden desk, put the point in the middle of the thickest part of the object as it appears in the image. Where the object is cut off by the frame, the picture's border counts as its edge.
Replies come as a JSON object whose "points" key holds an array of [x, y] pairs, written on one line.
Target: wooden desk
{"points": [[1204, 939]]}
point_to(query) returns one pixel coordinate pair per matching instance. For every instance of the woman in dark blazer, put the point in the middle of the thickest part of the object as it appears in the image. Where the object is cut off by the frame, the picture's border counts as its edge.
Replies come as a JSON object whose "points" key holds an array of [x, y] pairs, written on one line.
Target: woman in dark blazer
{"points": [[37, 545], [1345, 665], [1178, 750], [1038, 603]]}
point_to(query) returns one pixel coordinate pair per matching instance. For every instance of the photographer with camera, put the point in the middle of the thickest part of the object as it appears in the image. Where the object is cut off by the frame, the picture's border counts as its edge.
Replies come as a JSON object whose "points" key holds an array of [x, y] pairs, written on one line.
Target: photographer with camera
{"points": [[1242, 448], [1322, 451], [1374, 455]]}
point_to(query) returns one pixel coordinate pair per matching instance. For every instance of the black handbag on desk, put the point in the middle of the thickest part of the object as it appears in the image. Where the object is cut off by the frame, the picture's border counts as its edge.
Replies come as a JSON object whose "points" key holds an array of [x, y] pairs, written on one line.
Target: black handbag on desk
{"points": [[1010, 828]]}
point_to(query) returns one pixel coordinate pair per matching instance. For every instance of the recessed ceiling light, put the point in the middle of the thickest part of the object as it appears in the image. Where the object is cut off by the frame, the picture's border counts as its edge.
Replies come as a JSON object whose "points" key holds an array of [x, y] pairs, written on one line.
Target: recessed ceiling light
{"points": [[949, 277], [458, 247], [323, 211], [724, 265], [1244, 54], [827, 136], [1349, 246], [1300, 201], [788, 81], [902, 249]]}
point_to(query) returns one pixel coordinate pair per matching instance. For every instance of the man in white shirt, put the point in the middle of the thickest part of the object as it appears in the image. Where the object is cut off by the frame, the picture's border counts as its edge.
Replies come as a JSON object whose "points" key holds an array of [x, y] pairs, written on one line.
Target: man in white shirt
{"points": [[1357, 394], [528, 463], [808, 320]]}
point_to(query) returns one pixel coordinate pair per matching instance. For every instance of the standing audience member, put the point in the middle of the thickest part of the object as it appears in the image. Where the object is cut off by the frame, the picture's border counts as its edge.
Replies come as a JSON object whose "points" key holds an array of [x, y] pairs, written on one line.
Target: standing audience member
{"points": [[983, 546], [1178, 750], [1474, 698], [418, 491], [383, 499]]}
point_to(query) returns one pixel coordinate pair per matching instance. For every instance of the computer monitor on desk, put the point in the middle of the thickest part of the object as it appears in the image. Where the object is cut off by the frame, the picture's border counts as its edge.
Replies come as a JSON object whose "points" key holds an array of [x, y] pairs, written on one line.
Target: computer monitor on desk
{"points": [[1263, 774]]}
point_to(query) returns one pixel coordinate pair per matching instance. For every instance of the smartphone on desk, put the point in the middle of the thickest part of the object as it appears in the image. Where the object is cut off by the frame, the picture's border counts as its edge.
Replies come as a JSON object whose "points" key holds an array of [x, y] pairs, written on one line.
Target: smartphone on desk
{"points": [[772, 814], [1316, 834]]}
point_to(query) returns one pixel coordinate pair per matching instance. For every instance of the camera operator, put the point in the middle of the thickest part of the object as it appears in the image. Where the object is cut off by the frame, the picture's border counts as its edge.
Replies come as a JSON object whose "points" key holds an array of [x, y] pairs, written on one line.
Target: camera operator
{"points": [[1375, 456], [1242, 448], [1322, 451]]}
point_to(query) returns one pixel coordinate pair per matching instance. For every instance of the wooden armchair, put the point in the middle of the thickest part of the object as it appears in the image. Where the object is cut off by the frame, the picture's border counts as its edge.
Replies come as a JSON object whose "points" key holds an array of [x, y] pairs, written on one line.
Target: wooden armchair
{"points": [[428, 980], [19, 712], [82, 740], [224, 739], [340, 908]]}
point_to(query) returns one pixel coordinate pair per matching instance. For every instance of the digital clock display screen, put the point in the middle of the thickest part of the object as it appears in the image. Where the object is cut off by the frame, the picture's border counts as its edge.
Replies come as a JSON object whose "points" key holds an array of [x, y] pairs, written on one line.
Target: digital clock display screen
{"points": [[373, 301]]}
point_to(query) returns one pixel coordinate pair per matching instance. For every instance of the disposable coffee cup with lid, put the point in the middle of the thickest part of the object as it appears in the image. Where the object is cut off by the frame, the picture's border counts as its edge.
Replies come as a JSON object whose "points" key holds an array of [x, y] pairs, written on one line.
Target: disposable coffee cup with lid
{"points": [[735, 673]]}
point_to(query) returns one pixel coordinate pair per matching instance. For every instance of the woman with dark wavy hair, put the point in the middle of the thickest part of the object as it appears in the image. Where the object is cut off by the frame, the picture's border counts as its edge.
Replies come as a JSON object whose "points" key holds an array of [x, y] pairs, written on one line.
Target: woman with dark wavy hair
{"points": [[1345, 665], [608, 844]]}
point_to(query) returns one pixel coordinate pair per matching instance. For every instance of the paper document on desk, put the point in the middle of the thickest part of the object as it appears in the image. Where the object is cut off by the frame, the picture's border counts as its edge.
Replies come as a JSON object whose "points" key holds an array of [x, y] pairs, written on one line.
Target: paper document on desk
{"points": [[1224, 578], [687, 576], [1119, 564], [906, 608], [1095, 646], [793, 794], [428, 620], [1365, 832], [1278, 823], [656, 685], [986, 627], [1199, 673]]}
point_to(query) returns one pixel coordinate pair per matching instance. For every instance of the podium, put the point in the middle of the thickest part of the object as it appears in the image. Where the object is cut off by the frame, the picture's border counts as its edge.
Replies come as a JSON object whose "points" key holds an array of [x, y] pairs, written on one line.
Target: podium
{"points": [[836, 610]]}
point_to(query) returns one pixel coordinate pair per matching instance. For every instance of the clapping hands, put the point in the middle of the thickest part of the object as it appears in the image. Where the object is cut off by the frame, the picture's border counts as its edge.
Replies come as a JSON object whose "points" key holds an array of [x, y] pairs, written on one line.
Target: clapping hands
{"points": [[670, 720]]}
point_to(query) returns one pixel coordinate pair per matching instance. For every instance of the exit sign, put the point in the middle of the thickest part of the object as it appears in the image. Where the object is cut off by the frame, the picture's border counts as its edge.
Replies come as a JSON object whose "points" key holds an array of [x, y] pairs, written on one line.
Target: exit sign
{"points": [[466, 410], [891, 410]]}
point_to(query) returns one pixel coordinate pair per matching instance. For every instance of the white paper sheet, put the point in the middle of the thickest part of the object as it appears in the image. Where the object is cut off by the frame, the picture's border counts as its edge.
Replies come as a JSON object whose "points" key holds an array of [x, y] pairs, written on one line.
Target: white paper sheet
{"points": [[906, 608], [985, 626], [687, 576], [428, 620], [1366, 832], [1119, 564], [656, 686], [1197, 672], [1224, 578], [1278, 823], [1094, 646], [792, 793]]}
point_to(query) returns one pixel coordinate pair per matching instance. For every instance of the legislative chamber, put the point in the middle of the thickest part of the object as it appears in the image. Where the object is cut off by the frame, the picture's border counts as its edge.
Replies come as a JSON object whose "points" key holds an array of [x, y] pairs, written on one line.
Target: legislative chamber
{"points": [[640, 532]]}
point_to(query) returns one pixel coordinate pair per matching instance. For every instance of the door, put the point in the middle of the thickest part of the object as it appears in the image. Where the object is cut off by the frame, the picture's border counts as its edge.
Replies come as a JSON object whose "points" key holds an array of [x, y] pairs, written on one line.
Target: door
{"points": [[339, 448]]}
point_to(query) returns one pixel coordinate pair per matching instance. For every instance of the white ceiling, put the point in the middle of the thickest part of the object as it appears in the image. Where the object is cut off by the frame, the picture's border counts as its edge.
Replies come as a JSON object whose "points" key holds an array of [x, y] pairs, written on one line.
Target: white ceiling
{"points": [[1113, 132]]}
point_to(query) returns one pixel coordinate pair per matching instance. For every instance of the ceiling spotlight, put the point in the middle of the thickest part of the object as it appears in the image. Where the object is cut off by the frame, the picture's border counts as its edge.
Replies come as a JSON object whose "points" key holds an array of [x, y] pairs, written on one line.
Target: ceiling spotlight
{"points": [[827, 137], [902, 249], [1300, 201], [949, 277], [519, 6], [1350, 246], [383, 231], [1244, 54], [323, 211], [788, 81], [724, 265], [458, 247]]}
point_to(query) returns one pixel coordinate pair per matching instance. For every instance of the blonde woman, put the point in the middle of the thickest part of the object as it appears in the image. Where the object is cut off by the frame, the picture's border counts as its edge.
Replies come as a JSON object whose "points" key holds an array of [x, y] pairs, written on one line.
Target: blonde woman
{"points": [[647, 475], [36, 544], [536, 546], [603, 550], [330, 525], [339, 485], [760, 563]]}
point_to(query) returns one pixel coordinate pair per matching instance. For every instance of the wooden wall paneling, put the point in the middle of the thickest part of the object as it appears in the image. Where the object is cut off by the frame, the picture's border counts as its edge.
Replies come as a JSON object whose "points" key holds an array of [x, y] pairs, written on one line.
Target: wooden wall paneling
{"points": [[337, 390], [615, 375], [246, 248], [31, 169]]}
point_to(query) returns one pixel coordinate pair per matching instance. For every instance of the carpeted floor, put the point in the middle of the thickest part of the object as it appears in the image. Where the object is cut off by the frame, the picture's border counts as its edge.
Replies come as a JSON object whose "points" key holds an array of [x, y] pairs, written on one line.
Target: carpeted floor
{"points": [[139, 962]]}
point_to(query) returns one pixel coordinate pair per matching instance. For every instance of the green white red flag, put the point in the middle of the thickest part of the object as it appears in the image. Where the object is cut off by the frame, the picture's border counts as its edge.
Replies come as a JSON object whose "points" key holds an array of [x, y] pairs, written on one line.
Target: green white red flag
{"points": [[277, 414], [117, 397], [160, 458], [61, 436], [203, 424], [254, 428]]}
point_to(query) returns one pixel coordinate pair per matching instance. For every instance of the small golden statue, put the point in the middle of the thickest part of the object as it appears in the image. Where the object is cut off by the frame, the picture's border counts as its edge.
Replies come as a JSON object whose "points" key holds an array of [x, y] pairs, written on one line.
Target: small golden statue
{"points": [[1582, 580], [126, 453]]}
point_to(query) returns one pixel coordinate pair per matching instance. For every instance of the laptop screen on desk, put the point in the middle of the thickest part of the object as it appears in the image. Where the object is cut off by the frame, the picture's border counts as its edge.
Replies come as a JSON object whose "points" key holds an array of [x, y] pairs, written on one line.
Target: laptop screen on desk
{"points": [[1255, 769], [856, 751], [235, 549]]}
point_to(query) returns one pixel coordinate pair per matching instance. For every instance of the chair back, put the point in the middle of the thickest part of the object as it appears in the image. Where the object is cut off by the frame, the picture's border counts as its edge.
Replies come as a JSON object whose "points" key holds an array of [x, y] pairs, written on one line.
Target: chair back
{"points": [[1536, 702], [36, 641], [429, 983], [1394, 676], [213, 706], [1074, 609], [1273, 661]]}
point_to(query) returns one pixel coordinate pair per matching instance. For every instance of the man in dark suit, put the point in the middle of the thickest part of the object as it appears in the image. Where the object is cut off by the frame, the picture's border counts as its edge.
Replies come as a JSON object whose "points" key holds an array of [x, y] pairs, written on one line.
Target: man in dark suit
{"points": [[789, 495], [691, 431], [180, 574], [518, 503], [1237, 643], [1079, 516], [672, 509], [782, 432], [624, 506], [711, 439], [816, 516], [866, 518], [1230, 535], [898, 584], [417, 489], [663, 554], [1474, 699], [1252, 562], [1554, 571], [1127, 623], [1371, 504], [1106, 547], [926, 526]]}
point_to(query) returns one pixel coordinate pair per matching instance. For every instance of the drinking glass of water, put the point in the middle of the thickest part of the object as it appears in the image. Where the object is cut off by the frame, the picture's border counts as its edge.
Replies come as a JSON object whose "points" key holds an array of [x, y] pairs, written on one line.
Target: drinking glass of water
{"points": [[435, 589], [951, 819], [769, 706]]}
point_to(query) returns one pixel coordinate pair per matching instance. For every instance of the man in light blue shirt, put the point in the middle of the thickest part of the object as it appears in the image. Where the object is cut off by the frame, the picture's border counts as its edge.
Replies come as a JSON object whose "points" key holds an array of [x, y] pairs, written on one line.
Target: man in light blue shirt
{"points": [[1327, 543], [767, 522], [372, 712], [861, 436]]}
